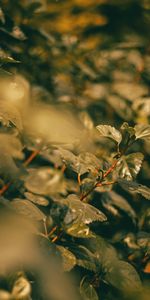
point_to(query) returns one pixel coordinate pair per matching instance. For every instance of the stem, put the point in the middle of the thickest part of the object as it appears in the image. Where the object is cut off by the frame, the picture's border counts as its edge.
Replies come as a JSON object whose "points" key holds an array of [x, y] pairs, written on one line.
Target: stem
{"points": [[31, 157], [110, 169], [5, 188], [101, 183]]}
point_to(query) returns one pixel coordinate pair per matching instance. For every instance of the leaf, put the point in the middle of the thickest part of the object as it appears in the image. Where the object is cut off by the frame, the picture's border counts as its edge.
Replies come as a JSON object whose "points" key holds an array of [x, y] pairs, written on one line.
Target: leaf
{"points": [[37, 199], [21, 288], [122, 276], [4, 295], [45, 181], [79, 230], [2, 17], [5, 58], [84, 257], [114, 202], [10, 116], [109, 132], [121, 106], [87, 291], [135, 187], [128, 136], [143, 241], [130, 165], [83, 212], [68, 258], [75, 163], [142, 131], [28, 209], [10, 151]]}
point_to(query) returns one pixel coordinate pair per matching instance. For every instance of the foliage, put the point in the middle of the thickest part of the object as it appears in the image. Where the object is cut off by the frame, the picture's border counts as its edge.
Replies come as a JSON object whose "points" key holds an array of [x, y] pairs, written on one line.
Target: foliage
{"points": [[74, 150]]}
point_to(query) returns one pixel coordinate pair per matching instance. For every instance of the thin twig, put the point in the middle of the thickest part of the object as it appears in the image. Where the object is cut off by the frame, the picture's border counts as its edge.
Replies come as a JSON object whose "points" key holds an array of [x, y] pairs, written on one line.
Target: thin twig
{"points": [[101, 183]]}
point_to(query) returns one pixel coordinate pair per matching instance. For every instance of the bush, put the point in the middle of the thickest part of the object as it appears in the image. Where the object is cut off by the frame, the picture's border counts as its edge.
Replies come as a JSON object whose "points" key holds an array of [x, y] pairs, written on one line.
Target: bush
{"points": [[74, 150]]}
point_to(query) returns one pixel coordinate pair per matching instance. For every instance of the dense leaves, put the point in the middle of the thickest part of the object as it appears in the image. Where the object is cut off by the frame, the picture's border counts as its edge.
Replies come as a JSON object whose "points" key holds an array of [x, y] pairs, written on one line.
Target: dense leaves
{"points": [[74, 150]]}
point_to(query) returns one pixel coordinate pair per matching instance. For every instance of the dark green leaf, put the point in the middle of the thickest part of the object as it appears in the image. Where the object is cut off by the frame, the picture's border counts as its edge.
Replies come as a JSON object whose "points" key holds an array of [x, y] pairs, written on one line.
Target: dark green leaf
{"points": [[84, 257], [135, 187], [122, 276], [68, 258], [87, 291], [115, 202], [83, 212]]}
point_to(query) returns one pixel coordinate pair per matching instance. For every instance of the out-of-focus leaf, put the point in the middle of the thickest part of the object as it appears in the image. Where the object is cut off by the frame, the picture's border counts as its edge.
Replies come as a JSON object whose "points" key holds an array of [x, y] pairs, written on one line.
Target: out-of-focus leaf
{"points": [[104, 253], [121, 107], [5, 58], [114, 202], [21, 288], [110, 132], [122, 276], [130, 165], [10, 116], [2, 16], [10, 150], [143, 241], [142, 132], [4, 295], [45, 181], [129, 91], [87, 291], [68, 258], [28, 209], [36, 199], [135, 187]]}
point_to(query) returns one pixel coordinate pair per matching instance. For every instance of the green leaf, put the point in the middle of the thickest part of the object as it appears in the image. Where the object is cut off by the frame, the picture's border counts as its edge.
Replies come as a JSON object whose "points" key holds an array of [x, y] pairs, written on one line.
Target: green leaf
{"points": [[68, 258], [37, 199], [84, 257], [87, 291], [122, 276], [135, 187], [28, 209], [83, 212], [79, 230], [115, 203], [110, 132], [130, 165], [104, 252], [142, 132]]}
